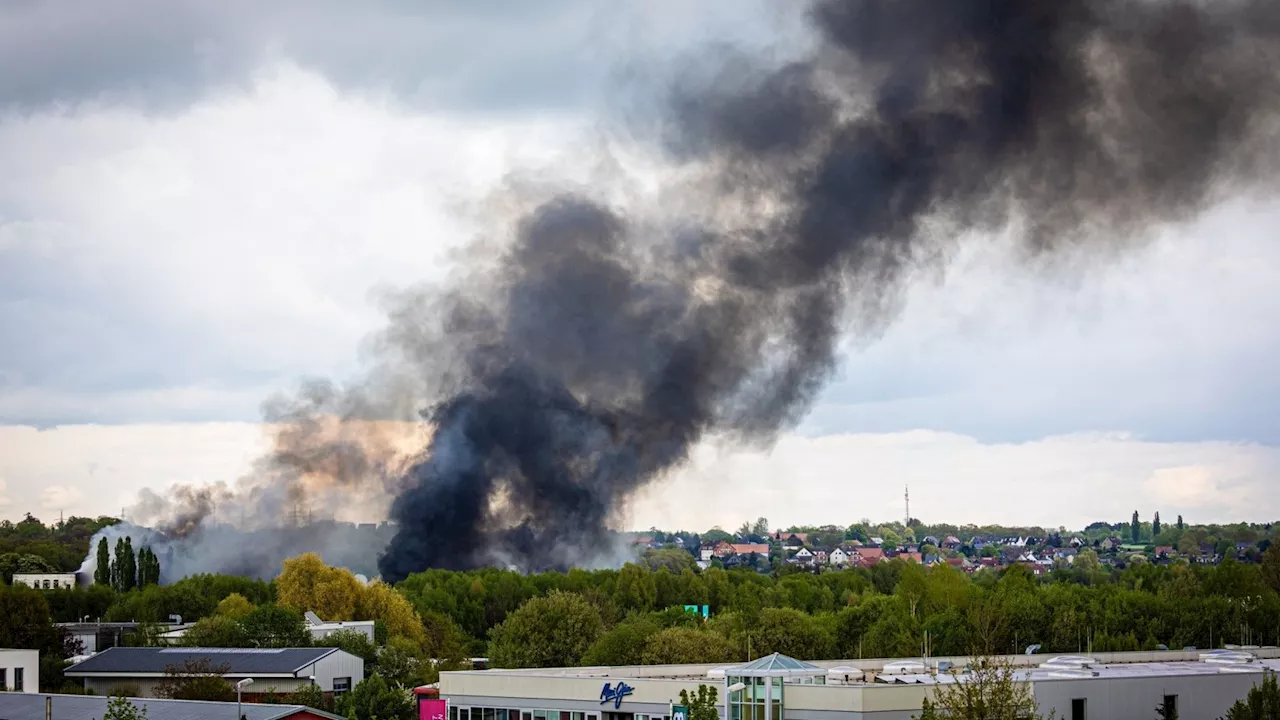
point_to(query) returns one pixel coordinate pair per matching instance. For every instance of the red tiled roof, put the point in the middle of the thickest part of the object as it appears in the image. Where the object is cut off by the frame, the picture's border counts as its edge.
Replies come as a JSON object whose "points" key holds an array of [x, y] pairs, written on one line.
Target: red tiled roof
{"points": [[748, 548]]}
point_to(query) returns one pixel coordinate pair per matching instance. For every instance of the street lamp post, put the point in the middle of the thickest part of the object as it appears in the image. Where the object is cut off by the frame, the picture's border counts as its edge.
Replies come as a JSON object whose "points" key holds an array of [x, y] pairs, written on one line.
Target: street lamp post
{"points": [[240, 686]]}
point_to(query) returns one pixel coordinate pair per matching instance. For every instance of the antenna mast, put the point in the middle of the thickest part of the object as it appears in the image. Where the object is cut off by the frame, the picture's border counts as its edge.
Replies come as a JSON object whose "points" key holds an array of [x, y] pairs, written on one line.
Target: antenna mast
{"points": [[906, 496]]}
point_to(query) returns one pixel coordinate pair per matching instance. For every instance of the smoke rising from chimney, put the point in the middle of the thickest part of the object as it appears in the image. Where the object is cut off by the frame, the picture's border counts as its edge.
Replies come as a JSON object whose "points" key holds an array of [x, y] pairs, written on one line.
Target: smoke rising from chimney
{"points": [[606, 339]]}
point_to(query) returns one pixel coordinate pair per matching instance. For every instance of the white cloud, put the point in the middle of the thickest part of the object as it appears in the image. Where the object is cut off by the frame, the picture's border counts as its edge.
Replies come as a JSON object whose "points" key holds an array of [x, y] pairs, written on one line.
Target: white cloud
{"points": [[233, 244], [1067, 480], [1071, 480]]}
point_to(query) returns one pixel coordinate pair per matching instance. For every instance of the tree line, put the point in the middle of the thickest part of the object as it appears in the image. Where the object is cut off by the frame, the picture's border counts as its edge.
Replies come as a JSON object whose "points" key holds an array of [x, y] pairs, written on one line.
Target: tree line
{"points": [[892, 609], [126, 570]]}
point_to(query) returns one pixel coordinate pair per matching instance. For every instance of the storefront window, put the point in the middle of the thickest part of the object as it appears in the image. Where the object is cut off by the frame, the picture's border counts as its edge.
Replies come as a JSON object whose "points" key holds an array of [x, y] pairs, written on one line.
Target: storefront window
{"points": [[749, 703]]}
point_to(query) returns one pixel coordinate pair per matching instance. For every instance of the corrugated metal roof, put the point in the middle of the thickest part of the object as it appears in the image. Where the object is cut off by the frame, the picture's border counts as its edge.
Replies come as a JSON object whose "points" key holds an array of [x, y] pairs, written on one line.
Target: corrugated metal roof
{"points": [[241, 661], [26, 706]]}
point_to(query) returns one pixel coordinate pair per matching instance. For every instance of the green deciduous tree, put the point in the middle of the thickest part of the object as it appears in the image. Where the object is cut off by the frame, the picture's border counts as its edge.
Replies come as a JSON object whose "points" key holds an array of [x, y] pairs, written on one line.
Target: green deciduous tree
{"points": [[550, 631], [309, 695], [683, 645], [373, 699], [121, 708], [354, 642], [234, 606], [196, 680], [1262, 702], [990, 692], [273, 626], [701, 704], [624, 644], [636, 590], [217, 631]]}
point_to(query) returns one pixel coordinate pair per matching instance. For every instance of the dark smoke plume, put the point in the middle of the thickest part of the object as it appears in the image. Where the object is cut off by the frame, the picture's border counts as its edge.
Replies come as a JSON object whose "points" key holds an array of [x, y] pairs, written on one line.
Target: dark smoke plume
{"points": [[601, 347], [587, 355]]}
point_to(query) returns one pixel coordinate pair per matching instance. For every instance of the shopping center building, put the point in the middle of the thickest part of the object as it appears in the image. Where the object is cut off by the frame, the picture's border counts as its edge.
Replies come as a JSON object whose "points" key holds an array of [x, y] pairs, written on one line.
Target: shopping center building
{"points": [[1106, 686]]}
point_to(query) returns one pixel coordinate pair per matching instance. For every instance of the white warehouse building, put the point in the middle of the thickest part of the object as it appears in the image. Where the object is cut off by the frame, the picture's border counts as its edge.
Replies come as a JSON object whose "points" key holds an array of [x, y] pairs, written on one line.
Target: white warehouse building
{"points": [[1109, 686]]}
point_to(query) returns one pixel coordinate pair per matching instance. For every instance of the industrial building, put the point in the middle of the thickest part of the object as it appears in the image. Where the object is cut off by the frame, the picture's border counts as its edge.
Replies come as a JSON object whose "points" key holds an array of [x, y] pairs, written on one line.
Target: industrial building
{"points": [[47, 581], [19, 670], [1108, 686], [15, 706], [273, 670]]}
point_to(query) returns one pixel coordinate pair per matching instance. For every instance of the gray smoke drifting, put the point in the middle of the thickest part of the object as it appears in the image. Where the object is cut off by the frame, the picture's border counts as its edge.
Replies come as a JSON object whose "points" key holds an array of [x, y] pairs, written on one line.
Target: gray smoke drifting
{"points": [[601, 347], [589, 353]]}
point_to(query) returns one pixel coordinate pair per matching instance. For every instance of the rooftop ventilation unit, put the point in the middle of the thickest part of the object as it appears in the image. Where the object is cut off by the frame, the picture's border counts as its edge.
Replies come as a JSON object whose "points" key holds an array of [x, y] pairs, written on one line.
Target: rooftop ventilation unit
{"points": [[904, 667], [1227, 657], [845, 673], [1068, 662]]}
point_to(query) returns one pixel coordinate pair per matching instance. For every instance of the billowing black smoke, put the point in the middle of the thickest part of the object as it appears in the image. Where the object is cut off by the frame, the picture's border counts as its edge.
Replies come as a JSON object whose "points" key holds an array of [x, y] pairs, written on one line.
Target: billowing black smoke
{"points": [[601, 346]]}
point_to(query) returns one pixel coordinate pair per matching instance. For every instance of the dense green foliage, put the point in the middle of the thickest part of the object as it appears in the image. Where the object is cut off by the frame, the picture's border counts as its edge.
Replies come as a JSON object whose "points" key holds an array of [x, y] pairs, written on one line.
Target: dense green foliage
{"points": [[701, 704], [62, 546], [885, 611], [374, 699], [1262, 702], [196, 680], [121, 708]]}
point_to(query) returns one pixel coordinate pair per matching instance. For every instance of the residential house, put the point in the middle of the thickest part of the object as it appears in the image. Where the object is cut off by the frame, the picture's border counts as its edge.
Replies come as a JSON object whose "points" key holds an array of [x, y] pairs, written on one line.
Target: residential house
{"points": [[745, 549], [912, 557], [803, 556], [723, 549], [1164, 551], [820, 556], [960, 563], [877, 542], [929, 540], [47, 581], [838, 557], [951, 543], [706, 552], [1068, 554], [868, 556], [791, 540], [1077, 542], [20, 670]]}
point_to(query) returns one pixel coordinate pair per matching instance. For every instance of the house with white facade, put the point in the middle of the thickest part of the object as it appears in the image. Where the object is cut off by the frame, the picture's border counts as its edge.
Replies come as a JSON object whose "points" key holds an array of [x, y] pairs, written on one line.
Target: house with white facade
{"points": [[20, 670], [47, 581]]}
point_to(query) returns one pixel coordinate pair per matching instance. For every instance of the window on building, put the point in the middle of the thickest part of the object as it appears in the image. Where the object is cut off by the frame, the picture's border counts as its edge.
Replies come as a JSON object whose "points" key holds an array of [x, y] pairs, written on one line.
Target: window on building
{"points": [[1170, 705], [341, 684], [46, 584], [56, 584], [4, 678], [1077, 709], [17, 679]]}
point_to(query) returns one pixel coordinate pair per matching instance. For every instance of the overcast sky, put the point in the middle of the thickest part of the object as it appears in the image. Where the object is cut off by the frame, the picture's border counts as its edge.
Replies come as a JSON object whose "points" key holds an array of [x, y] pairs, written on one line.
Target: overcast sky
{"points": [[201, 203]]}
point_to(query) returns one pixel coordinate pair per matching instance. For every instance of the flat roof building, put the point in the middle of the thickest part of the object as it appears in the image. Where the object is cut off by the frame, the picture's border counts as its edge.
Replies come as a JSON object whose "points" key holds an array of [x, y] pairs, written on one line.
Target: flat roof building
{"points": [[1108, 686], [91, 707], [278, 670]]}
